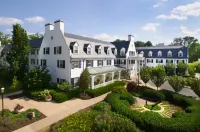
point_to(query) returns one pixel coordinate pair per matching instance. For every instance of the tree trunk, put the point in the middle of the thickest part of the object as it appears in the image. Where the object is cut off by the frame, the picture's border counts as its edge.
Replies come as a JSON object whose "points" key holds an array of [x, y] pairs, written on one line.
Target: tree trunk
{"points": [[157, 87]]}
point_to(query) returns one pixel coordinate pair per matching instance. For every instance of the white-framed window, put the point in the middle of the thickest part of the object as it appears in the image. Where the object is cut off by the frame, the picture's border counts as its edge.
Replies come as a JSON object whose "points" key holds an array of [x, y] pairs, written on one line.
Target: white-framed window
{"points": [[159, 61], [132, 61], [100, 63], [59, 80], [149, 60], [89, 50], [75, 50], [32, 61], [115, 52], [46, 51], [150, 53], [43, 62], [99, 51], [169, 54], [122, 52], [89, 63], [61, 63], [159, 53], [142, 52], [32, 51], [76, 64], [58, 50], [108, 51], [180, 54], [108, 62], [131, 53]]}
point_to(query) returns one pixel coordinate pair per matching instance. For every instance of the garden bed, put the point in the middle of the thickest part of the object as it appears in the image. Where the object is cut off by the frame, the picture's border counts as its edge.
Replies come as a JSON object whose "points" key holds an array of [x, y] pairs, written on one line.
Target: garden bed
{"points": [[16, 96], [11, 121]]}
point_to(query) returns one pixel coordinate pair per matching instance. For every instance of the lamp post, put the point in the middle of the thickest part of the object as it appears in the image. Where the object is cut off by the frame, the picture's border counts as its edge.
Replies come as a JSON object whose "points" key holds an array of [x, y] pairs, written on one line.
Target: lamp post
{"points": [[2, 91]]}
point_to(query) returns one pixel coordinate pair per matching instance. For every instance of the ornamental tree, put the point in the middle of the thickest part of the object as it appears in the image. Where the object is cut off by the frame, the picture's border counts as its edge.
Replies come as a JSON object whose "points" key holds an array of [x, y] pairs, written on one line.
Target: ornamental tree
{"points": [[84, 80], [194, 83], [170, 67], [158, 76], [145, 74], [18, 56], [182, 67], [177, 82]]}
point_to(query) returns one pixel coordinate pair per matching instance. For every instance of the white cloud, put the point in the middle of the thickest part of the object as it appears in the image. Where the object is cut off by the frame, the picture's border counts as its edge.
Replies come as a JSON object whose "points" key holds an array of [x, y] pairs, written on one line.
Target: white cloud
{"points": [[151, 27], [9, 21], [183, 12], [164, 0], [35, 19], [107, 37], [155, 6], [186, 32]]}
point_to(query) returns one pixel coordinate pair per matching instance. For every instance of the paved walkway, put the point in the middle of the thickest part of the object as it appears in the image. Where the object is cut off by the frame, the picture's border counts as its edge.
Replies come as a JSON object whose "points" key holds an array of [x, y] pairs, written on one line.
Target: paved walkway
{"points": [[53, 111]]}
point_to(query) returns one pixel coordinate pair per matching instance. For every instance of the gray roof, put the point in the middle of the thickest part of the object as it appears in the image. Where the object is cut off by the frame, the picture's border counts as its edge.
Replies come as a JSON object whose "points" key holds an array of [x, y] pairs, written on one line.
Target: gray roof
{"points": [[68, 35], [120, 45], [100, 70], [160, 47]]}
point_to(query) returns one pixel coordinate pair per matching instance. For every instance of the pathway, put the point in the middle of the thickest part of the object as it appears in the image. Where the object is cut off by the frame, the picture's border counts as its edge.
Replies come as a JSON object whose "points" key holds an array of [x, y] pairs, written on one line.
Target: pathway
{"points": [[53, 111]]}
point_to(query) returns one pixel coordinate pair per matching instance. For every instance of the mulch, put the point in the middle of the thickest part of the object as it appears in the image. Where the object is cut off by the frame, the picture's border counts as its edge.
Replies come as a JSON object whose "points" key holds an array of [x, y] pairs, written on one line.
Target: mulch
{"points": [[27, 122], [16, 96]]}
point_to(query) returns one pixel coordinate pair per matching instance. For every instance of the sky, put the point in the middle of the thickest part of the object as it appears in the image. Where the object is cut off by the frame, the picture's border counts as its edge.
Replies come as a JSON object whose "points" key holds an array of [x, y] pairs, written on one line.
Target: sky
{"points": [[158, 21]]}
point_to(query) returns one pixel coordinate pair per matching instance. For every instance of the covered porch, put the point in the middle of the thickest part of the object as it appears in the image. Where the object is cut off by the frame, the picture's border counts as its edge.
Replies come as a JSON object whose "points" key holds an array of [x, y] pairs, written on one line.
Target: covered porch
{"points": [[101, 76]]}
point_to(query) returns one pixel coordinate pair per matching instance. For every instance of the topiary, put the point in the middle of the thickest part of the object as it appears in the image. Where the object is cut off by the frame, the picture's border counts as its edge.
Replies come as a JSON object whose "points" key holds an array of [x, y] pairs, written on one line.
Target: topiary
{"points": [[131, 87], [119, 89]]}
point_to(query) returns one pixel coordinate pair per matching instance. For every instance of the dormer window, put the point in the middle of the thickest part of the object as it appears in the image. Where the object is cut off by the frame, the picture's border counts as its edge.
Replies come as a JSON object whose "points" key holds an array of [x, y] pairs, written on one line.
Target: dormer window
{"points": [[107, 50], [150, 53], [98, 49], [142, 52], [169, 54], [87, 49], [122, 52], [159, 53], [180, 54], [74, 47], [114, 51]]}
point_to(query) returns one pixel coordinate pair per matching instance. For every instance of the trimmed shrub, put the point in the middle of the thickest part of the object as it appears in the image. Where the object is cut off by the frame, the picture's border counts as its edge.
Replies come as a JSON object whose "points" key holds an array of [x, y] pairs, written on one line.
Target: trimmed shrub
{"points": [[149, 93], [131, 87], [105, 89], [119, 89], [102, 106]]}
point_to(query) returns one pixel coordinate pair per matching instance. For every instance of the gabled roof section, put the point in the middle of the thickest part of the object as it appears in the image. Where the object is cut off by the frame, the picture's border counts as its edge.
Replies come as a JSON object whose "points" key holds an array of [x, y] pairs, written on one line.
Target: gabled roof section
{"points": [[120, 45], [86, 45], [72, 44], [85, 38]]}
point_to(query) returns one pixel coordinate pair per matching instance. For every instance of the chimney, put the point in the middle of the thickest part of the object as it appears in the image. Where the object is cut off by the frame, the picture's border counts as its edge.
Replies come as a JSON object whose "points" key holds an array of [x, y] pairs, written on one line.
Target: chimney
{"points": [[186, 43], [49, 27], [59, 25], [129, 37]]}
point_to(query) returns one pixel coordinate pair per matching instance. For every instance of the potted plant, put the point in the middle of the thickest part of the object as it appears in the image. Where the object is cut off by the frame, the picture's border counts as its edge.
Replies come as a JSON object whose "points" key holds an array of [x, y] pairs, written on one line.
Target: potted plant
{"points": [[47, 95], [99, 80], [19, 108]]}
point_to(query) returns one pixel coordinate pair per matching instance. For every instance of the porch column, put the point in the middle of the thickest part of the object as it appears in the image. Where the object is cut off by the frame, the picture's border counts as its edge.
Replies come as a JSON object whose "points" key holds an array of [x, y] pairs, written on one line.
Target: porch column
{"points": [[92, 82], [113, 73], [119, 75], [104, 78]]}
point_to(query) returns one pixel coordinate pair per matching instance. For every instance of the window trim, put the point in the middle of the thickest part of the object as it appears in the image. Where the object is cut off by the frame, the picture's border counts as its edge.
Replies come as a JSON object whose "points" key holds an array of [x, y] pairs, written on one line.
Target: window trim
{"points": [[169, 53], [150, 54], [59, 65], [159, 53], [76, 49], [180, 52]]}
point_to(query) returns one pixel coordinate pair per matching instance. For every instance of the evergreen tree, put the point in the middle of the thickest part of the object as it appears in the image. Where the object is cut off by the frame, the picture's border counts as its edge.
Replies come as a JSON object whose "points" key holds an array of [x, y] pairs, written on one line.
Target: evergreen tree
{"points": [[18, 56], [84, 80]]}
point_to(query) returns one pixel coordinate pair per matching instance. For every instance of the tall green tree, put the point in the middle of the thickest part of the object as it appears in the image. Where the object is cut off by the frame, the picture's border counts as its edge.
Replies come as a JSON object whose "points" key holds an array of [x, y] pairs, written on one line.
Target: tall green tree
{"points": [[178, 41], [119, 40], [84, 80], [19, 53], [170, 67], [182, 67], [148, 44], [139, 44], [35, 36], [177, 83], [158, 75], [5, 38], [145, 74]]}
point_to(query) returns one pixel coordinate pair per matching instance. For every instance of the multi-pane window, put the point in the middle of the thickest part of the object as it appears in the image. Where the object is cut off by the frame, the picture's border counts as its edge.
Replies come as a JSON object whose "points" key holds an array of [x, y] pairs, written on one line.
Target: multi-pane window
{"points": [[132, 61], [37, 61], [115, 52], [100, 63], [159, 53], [76, 49], [32, 61], [59, 80], [115, 62], [150, 53], [89, 51], [32, 51], [180, 54], [99, 51], [108, 62], [169, 61], [37, 51], [169, 54], [108, 51], [61, 63], [131, 53], [149, 60], [159, 61], [43, 62], [58, 50], [46, 50], [76, 64], [89, 63]]}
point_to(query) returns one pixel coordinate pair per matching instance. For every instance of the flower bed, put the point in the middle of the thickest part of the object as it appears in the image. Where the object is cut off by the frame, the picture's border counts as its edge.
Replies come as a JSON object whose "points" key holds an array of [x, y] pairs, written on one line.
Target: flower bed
{"points": [[12, 121], [152, 107]]}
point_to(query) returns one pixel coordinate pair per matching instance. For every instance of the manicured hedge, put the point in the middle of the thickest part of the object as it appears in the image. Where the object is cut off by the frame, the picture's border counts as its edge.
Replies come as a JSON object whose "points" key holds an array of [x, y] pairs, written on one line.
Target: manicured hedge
{"points": [[57, 95], [153, 122], [102, 90]]}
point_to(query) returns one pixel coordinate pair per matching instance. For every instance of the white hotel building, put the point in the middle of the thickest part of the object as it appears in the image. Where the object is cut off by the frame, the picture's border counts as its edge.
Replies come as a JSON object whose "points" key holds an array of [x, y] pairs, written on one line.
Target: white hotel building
{"points": [[67, 55]]}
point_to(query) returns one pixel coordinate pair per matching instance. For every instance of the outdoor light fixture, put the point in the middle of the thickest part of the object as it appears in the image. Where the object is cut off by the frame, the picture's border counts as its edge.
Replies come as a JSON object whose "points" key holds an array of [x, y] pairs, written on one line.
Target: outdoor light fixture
{"points": [[2, 91]]}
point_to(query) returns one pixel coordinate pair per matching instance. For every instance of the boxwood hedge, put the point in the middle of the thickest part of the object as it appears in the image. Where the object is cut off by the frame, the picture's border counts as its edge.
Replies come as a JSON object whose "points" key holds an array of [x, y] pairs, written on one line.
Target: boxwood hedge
{"points": [[188, 121]]}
